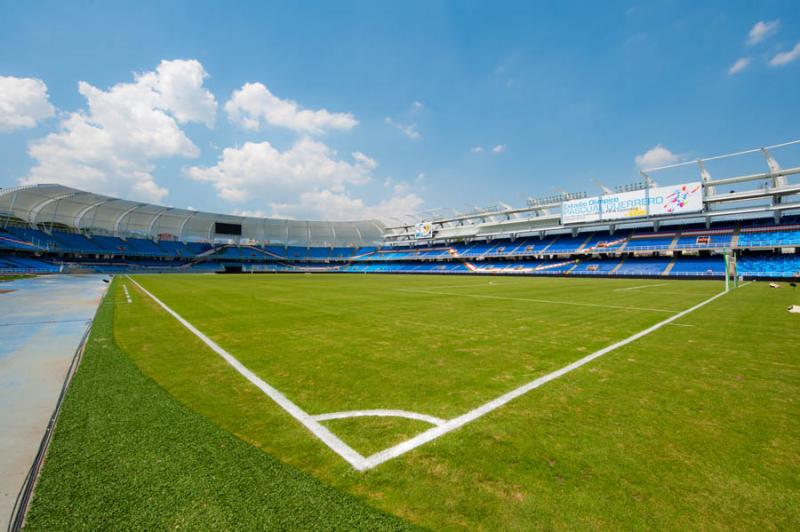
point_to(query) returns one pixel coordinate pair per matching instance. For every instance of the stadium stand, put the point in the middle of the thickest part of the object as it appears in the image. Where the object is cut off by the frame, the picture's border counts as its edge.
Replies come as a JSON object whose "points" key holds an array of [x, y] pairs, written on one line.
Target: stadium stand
{"points": [[767, 246]]}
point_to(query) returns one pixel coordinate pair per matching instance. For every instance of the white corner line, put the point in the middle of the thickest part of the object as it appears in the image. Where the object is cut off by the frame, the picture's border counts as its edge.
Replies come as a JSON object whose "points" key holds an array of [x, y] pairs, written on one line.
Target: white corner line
{"points": [[442, 427], [433, 420], [457, 422], [327, 437]]}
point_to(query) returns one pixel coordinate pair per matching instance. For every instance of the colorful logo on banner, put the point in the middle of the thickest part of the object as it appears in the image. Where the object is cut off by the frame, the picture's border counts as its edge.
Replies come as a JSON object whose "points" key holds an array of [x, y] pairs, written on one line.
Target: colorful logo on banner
{"points": [[680, 197]]}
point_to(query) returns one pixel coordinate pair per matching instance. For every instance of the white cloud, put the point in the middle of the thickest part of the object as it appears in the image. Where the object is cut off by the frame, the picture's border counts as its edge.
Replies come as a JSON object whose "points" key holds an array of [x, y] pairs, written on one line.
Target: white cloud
{"points": [[260, 169], [180, 86], [417, 106], [784, 58], [496, 150], [409, 130], [326, 204], [110, 146], [23, 103], [420, 177], [739, 65], [254, 105], [656, 156], [761, 30]]}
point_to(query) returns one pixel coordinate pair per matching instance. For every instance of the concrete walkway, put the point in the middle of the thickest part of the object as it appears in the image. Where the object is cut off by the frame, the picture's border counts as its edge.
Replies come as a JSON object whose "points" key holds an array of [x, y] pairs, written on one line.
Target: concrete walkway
{"points": [[42, 321]]}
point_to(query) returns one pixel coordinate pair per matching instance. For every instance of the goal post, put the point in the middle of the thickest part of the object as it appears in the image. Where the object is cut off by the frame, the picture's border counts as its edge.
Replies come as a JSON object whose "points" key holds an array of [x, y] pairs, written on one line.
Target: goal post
{"points": [[730, 270]]}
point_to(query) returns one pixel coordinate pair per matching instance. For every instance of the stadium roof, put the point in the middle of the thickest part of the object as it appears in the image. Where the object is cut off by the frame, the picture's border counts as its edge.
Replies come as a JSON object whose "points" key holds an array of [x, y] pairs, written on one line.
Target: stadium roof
{"points": [[77, 209]]}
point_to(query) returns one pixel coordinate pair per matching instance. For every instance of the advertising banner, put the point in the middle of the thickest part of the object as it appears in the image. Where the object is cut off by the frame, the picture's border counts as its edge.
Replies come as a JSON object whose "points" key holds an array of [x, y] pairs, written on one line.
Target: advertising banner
{"points": [[423, 230], [659, 201]]}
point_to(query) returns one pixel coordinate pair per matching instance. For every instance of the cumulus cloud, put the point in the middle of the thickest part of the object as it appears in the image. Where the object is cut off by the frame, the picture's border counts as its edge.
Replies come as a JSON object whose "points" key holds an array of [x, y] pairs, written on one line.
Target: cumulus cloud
{"points": [[784, 58], [261, 169], [326, 204], [762, 30], [409, 130], [23, 103], [738, 66], [656, 156], [110, 147], [497, 149], [254, 105]]}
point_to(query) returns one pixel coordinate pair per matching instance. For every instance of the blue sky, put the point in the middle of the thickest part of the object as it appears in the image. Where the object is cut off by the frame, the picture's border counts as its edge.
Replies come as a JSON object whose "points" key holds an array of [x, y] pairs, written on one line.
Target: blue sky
{"points": [[381, 109]]}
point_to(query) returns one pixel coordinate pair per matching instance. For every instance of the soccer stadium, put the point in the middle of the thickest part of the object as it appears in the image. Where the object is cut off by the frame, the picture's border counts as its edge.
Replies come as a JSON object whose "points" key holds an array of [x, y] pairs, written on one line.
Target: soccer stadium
{"points": [[626, 358]]}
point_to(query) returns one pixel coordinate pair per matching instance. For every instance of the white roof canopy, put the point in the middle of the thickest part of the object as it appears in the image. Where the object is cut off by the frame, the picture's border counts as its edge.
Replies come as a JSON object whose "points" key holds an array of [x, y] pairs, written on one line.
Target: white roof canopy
{"points": [[95, 213]]}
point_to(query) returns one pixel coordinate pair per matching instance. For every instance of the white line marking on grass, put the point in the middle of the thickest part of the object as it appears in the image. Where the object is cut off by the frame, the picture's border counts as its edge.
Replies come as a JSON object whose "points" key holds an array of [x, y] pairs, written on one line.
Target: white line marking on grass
{"points": [[433, 420], [327, 437], [680, 325], [127, 295], [532, 300], [441, 427], [455, 423], [473, 285], [639, 287]]}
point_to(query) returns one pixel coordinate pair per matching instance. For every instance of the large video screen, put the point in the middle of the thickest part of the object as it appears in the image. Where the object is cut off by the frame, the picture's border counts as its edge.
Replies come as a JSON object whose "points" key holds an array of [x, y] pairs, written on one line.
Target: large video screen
{"points": [[228, 229], [658, 201]]}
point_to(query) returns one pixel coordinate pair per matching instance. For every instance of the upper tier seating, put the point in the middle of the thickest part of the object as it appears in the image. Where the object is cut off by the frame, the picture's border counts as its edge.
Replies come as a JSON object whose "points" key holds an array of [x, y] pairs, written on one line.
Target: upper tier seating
{"points": [[651, 242], [770, 237]]}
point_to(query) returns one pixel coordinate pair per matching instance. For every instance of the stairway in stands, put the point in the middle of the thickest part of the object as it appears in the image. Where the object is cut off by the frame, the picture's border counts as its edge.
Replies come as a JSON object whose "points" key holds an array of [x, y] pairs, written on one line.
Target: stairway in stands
{"points": [[669, 267], [617, 267]]}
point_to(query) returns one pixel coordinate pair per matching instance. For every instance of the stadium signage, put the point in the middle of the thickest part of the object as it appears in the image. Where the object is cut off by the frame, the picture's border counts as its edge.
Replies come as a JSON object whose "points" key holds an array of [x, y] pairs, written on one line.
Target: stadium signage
{"points": [[658, 201], [423, 230]]}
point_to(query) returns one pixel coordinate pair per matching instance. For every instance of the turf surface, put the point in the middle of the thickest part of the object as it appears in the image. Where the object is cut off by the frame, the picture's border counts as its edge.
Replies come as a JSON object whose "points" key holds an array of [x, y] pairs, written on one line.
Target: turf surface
{"points": [[695, 425], [128, 456]]}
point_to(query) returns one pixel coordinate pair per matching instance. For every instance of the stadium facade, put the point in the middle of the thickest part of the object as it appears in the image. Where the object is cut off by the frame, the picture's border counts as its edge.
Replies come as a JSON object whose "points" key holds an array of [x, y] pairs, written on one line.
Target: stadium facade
{"points": [[687, 229]]}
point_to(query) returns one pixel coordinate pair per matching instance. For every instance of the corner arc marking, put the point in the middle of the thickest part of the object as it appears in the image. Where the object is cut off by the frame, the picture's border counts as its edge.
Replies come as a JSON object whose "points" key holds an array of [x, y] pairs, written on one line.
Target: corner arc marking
{"points": [[433, 420]]}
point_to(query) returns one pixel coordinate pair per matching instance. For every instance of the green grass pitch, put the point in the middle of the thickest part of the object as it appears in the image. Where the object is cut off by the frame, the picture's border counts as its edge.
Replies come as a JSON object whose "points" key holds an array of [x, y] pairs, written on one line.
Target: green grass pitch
{"points": [[693, 425]]}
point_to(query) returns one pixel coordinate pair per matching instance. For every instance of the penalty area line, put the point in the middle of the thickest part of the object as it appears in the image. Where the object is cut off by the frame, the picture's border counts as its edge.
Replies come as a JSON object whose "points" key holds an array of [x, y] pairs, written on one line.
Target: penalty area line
{"points": [[458, 422], [307, 420]]}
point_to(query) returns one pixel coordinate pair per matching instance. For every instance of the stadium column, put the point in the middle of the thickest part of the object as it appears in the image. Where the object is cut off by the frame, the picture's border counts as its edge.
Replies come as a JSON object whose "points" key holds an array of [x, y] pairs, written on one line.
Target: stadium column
{"points": [[727, 271]]}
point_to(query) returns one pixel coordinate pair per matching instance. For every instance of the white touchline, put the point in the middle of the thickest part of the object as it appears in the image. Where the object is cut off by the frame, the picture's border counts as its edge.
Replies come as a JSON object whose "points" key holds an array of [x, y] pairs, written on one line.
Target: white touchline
{"points": [[442, 427], [336, 445], [457, 422], [638, 287], [532, 300], [433, 420], [127, 295]]}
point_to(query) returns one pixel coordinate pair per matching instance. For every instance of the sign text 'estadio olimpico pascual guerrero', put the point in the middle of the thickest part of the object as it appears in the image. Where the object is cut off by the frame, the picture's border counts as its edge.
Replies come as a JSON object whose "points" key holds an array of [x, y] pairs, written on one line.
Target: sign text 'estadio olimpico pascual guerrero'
{"points": [[658, 201]]}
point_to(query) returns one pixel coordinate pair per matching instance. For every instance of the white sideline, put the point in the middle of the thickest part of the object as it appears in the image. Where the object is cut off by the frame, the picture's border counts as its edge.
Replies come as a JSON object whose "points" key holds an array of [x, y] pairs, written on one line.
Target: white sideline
{"points": [[433, 420], [532, 300], [127, 295], [327, 437], [638, 287], [452, 424]]}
